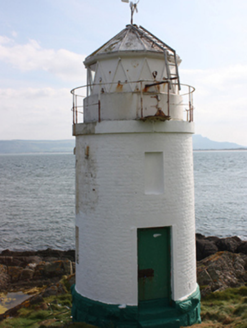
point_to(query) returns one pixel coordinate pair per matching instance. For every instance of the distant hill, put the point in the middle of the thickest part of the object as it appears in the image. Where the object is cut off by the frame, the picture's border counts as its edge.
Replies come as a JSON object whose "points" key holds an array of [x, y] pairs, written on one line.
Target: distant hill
{"points": [[36, 146], [200, 142], [59, 146]]}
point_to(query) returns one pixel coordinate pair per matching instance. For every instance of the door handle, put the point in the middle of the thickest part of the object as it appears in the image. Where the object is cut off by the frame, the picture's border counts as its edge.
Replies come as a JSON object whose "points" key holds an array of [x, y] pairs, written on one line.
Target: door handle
{"points": [[145, 273]]}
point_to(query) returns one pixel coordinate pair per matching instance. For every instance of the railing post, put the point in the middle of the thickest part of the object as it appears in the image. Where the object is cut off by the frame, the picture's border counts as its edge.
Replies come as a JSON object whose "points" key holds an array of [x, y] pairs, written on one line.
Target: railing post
{"points": [[99, 107], [141, 101], [189, 104], [99, 119], [168, 100], [73, 109], [192, 108], [76, 110]]}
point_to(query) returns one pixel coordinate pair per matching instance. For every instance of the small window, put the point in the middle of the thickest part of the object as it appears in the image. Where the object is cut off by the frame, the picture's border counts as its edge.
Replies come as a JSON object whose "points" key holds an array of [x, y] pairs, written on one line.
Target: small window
{"points": [[154, 173]]}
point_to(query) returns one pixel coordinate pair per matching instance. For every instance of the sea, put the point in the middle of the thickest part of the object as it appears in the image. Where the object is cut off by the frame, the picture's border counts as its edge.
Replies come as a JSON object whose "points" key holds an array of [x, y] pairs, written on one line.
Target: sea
{"points": [[37, 198]]}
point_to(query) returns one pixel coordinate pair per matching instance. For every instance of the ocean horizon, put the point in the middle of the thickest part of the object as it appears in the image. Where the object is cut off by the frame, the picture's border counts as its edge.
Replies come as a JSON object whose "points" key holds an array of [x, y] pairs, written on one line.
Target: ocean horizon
{"points": [[37, 198]]}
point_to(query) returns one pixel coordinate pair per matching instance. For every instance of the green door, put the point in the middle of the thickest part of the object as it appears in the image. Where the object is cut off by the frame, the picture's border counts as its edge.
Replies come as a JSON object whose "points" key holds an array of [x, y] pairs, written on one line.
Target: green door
{"points": [[154, 264]]}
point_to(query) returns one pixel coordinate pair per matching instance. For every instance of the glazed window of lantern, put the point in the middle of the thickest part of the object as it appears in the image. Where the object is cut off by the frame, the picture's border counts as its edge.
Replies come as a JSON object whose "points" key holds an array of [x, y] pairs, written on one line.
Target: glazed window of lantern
{"points": [[90, 78]]}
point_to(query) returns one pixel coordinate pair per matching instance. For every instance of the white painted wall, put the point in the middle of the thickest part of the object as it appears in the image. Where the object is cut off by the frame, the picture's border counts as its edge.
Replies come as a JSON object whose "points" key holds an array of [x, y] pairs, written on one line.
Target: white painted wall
{"points": [[111, 204], [127, 106]]}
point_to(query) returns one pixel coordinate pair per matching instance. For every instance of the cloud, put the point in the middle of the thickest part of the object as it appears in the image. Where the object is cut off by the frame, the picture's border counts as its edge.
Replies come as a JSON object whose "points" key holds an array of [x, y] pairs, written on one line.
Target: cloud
{"points": [[33, 113], [31, 56], [14, 34], [220, 102]]}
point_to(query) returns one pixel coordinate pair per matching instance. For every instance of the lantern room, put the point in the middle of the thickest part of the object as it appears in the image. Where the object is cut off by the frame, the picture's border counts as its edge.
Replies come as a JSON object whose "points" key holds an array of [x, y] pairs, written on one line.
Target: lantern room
{"points": [[140, 73]]}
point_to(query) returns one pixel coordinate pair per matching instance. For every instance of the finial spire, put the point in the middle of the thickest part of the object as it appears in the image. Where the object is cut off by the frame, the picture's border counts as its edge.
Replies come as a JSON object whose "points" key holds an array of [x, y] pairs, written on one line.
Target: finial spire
{"points": [[133, 8]]}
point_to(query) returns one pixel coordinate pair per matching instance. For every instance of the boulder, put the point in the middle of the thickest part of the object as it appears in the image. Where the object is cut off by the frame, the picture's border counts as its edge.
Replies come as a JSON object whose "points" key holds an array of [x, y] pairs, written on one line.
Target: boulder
{"points": [[212, 239], [4, 277], [220, 271], [39, 270], [54, 290], [26, 274], [3, 269], [14, 272], [54, 269], [6, 260], [204, 248], [229, 244], [242, 247]]}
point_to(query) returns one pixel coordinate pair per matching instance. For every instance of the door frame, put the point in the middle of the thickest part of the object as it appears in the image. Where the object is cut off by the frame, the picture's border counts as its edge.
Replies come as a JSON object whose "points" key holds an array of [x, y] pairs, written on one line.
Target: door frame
{"points": [[157, 301]]}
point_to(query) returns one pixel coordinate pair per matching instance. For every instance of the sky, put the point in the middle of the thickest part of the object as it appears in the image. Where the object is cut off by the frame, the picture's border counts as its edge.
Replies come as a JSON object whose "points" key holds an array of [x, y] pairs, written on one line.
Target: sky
{"points": [[43, 44]]}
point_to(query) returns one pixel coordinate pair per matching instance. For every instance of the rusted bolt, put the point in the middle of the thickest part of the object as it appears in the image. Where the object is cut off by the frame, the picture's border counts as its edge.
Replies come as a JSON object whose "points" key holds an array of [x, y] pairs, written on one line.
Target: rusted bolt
{"points": [[87, 152]]}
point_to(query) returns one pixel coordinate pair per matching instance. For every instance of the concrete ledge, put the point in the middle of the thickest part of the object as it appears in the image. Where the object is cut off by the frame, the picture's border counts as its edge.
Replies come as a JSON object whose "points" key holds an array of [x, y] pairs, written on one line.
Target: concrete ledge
{"points": [[113, 127], [180, 313]]}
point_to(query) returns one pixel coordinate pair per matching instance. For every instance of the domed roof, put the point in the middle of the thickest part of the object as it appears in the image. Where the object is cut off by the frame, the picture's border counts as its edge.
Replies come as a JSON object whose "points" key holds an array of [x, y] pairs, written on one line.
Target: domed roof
{"points": [[132, 38]]}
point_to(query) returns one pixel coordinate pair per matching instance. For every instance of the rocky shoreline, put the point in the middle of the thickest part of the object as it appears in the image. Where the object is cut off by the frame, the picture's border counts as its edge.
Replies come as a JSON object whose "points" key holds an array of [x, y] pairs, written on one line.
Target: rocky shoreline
{"points": [[221, 263], [28, 269], [206, 246]]}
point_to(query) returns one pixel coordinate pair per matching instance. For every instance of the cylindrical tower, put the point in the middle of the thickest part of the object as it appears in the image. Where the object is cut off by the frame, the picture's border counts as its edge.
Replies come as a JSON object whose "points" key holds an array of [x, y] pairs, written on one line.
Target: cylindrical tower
{"points": [[135, 223]]}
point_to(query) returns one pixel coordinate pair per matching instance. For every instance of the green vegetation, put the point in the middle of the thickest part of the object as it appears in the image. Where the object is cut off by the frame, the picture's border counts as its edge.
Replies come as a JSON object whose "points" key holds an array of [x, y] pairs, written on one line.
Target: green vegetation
{"points": [[227, 308]]}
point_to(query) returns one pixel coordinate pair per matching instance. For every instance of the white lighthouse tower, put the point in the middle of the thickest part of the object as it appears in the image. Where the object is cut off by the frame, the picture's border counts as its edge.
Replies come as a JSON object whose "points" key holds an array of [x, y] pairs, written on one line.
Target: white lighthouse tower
{"points": [[135, 223]]}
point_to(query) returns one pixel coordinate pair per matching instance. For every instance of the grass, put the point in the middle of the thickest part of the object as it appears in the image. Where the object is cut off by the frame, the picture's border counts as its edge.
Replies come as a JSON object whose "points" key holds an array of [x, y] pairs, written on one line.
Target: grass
{"points": [[227, 308]]}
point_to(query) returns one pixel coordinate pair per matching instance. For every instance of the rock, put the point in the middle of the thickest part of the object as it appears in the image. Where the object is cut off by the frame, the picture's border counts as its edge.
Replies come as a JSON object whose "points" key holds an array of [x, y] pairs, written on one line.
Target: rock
{"points": [[54, 269], [229, 244], [212, 239], [242, 248], [54, 290], [4, 277], [26, 304], [26, 274], [200, 236], [34, 300], [204, 277], [39, 270], [33, 259], [204, 248], [6, 260], [14, 272], [50, 291], [31, 266], [24, 270], [220, 271], [3, 269], [6, 252]]}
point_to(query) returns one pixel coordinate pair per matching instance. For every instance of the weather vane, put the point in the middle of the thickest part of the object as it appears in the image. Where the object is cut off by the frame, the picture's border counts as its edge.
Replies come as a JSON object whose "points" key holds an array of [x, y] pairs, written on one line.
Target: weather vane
{"points": [[133, 8]]}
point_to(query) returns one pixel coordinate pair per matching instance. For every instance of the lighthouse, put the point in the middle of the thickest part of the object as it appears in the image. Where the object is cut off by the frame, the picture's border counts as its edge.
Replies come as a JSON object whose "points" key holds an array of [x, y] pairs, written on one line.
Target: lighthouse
{"points": [[135, 221]]}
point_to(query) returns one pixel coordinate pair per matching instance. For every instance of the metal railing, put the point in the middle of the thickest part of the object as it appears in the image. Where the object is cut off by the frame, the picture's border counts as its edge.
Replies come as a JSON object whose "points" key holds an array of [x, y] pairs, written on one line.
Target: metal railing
{"points": [[143, 87]]}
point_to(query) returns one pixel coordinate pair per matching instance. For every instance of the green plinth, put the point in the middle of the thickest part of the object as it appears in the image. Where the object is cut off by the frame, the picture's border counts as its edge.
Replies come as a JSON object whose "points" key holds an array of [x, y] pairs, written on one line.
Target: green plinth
{"points": [[150, 314]]}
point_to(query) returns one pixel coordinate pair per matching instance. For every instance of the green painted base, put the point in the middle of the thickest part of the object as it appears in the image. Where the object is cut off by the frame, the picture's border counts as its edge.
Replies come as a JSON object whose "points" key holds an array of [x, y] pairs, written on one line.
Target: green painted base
{"points": [[151, 314]]}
